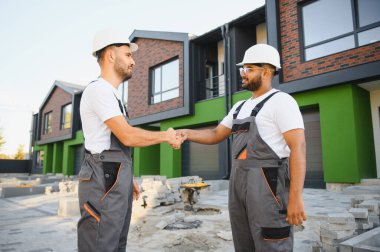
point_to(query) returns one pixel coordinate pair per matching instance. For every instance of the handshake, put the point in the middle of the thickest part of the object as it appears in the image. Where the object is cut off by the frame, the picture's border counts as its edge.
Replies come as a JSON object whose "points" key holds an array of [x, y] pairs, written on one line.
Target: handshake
{"points": [[176, 138]]}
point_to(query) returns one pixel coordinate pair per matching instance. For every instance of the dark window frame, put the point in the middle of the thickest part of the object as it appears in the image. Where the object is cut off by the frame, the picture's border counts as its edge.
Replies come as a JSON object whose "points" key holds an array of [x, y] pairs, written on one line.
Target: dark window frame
{"points": [[47, 129], [356, 30], [152, 83], [62, 123]]}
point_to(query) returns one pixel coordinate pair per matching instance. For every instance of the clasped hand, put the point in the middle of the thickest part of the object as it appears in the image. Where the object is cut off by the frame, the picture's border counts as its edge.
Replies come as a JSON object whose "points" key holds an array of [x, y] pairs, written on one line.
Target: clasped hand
{"points": [[176, 138]]}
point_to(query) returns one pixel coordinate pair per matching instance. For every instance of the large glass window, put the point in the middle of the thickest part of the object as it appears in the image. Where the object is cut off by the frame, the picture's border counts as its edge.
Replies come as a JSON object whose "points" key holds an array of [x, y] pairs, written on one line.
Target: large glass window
{"points": [[165, 81], [66, 117], [335, 26], [48, 122]]}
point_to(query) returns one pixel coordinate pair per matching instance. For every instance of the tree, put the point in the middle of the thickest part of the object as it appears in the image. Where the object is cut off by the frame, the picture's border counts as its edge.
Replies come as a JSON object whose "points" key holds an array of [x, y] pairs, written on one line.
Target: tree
{"points": [[20, 152], [2, 140]]}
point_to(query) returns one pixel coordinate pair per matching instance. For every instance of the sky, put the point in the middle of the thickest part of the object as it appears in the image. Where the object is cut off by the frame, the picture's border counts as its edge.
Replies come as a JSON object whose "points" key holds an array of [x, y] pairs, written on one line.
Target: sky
{"points": [[46, 40]]}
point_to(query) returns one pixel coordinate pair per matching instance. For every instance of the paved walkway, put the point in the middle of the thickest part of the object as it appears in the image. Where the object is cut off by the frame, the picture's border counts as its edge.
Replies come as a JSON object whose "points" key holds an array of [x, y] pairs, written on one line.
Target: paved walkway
{"points": [[31, 223]]}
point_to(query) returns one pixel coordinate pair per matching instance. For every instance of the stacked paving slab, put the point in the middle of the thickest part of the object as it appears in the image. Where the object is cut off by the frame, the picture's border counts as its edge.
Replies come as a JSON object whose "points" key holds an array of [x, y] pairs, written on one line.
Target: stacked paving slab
{"points": [[365, 209], [338, 228], [361, 217]]}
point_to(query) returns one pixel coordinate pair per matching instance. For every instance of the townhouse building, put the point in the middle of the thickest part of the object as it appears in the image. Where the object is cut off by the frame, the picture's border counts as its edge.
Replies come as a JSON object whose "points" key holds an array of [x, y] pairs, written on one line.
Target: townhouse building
{"points": [[330, 54]]}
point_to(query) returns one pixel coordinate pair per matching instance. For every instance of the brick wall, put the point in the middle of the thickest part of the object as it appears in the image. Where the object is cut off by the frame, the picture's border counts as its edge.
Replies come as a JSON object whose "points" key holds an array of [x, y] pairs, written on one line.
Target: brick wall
{"points": [[294, 69], [57, 99], [152, 53]]}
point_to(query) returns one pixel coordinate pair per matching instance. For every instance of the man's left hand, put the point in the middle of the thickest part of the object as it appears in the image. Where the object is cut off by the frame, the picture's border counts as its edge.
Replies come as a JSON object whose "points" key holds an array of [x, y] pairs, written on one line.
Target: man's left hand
{"points": [[295, 211]]}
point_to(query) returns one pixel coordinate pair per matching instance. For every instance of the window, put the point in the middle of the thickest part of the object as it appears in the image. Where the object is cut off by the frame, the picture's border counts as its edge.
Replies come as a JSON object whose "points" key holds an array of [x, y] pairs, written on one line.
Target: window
{"points": [[48, 118], [123, 90], [165, 81], [335, 26], [66, 116]]}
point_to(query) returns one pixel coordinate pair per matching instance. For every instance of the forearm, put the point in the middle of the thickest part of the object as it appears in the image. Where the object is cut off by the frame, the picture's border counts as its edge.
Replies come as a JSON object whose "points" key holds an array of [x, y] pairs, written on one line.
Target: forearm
{"points": [[207, 136], [136, 137], [297, 164]]}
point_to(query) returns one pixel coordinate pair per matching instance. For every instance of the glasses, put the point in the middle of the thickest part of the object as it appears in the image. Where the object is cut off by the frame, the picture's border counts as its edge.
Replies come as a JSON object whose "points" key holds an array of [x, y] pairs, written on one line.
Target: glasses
{"points": [[246, 70]]}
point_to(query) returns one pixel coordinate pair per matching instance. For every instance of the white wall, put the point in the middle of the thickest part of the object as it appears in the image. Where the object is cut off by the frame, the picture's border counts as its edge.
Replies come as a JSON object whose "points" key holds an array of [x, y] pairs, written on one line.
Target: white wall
{"points": [[375, 105]]}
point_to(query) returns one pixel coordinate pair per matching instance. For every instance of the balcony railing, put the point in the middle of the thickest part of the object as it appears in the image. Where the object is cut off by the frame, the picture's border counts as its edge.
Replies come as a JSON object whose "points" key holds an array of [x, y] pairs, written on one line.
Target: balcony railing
{"points": [[211, 87]]}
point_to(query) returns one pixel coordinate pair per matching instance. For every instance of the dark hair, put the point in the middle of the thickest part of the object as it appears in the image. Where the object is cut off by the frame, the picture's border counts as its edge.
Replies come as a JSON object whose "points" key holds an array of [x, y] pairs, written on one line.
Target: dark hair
{"points": [[100, 52]]}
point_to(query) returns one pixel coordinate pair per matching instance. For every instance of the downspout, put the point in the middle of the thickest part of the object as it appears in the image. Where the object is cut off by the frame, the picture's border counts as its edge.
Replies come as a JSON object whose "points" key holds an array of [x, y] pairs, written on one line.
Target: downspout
{"points": [[228, 96]]}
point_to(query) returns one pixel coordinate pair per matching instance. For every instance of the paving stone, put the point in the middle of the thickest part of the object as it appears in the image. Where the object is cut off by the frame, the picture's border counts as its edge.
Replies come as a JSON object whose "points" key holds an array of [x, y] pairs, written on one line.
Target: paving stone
{"points": [[336, 234], [359, 213], [329, 248], [370, 205], [340, 218], [365, 226], [339, 227]]}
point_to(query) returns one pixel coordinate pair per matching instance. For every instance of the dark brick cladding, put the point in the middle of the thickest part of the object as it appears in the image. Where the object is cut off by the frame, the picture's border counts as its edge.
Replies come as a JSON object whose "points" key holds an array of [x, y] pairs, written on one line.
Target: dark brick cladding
{"points": [[294, 69], [152, 52], [57, 99]]}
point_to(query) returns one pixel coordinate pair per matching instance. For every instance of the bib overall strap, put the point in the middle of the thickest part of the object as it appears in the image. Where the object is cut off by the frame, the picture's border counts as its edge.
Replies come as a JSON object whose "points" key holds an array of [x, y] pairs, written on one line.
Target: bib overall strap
{"points": [[121, 106], [258, 107], [238, 110]]}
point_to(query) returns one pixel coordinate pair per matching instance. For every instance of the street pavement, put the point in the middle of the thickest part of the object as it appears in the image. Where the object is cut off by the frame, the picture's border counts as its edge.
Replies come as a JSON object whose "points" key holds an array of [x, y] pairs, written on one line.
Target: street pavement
{"points": [[31, 223]]}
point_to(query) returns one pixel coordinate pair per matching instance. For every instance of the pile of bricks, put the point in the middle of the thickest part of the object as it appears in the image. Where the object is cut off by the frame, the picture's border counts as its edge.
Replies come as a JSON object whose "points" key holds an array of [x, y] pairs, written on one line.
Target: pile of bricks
{"points": [[365, 209], [361, 217], [157, 190], [338, 227]]}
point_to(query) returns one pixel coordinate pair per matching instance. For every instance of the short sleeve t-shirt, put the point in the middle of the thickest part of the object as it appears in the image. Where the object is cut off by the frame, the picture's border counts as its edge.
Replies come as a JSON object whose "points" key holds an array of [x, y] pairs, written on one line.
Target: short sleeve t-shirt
{"points": [[278, 115], [99, 103]]}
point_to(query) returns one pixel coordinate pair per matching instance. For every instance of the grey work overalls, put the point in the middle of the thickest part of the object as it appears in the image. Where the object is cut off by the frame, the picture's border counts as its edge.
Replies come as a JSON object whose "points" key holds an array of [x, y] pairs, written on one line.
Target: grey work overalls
{"points": [[105, 198], [259, 190]]}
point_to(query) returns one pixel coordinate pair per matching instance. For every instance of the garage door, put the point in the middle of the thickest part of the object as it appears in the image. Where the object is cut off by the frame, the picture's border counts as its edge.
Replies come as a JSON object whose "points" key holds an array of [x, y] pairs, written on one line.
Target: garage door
{"points": [[202, 160], [79, 155], [314, 166]]}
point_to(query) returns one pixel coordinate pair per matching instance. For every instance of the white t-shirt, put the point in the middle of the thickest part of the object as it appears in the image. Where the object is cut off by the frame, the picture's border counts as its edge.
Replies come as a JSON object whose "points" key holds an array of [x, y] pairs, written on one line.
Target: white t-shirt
{"points": [[278, 115], [98, 104]]}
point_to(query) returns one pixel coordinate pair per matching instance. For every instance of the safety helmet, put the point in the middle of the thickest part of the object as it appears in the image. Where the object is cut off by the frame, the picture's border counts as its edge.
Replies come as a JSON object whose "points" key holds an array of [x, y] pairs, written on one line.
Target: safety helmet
{"points": [[261, 54], [108, 37]]}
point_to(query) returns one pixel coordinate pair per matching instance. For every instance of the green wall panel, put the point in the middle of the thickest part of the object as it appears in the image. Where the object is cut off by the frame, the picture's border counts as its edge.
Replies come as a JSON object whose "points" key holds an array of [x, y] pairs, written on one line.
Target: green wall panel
{"points": [[364, 133], [170, 161], [342, 161], [204, 112], [57, 157], [146, 160], [69, 153]]}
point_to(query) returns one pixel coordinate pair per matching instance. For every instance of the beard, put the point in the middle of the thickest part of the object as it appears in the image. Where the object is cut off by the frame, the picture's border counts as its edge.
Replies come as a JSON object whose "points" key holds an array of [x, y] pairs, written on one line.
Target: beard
{"points": [[122, 70], [253, 84]]}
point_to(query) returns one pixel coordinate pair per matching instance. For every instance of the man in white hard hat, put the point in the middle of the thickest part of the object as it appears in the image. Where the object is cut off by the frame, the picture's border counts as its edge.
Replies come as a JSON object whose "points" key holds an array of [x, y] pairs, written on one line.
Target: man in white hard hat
{"points": [[269, 157], [106, 185]]}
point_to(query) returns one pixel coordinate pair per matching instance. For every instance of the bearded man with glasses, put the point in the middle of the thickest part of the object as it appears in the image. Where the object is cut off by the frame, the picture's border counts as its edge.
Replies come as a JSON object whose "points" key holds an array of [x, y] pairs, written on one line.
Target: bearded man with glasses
{"points": [[269, 157]]}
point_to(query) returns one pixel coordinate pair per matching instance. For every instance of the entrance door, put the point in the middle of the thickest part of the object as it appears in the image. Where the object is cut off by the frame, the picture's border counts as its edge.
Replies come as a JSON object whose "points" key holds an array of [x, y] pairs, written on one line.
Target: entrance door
{"points": [[203, 160], [314, 164]]}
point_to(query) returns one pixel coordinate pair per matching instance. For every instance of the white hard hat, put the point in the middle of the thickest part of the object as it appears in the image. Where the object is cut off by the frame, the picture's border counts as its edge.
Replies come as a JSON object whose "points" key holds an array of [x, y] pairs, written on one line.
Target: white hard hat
{"points": [[261, 54], [108, 37]]}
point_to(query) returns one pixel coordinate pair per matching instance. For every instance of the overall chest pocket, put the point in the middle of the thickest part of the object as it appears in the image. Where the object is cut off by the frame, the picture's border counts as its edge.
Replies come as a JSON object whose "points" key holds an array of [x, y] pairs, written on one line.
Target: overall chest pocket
{"points": [[238, 128], [240, 137]]}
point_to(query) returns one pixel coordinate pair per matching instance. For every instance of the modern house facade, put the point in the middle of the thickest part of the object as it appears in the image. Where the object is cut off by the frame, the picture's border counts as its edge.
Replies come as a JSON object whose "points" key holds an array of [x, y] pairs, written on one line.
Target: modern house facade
{"points": [[56, 136], [330, 65]]}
